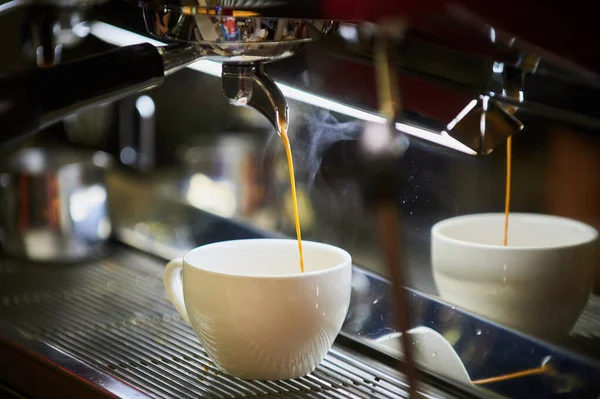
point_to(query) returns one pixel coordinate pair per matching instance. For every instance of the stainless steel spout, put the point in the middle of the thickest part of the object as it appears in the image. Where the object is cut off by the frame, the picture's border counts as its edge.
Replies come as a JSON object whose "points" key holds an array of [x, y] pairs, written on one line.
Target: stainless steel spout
{"points": [[484, 124], [249, 85]]}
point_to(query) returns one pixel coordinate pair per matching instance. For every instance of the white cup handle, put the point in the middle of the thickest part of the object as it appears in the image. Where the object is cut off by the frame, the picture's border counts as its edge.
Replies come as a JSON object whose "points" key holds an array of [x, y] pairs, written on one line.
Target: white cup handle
{"points": [[173, 282]]}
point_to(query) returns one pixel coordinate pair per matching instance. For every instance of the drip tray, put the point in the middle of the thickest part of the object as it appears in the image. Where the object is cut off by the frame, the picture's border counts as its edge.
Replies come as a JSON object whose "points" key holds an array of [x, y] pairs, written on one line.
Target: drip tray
{"points": [[113, 315], [585, 336]]}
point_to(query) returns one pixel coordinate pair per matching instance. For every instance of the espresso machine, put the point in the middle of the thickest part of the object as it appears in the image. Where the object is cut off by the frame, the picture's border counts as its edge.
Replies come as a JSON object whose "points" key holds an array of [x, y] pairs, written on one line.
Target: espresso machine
{"points": [[245, 36], [436, 85]]}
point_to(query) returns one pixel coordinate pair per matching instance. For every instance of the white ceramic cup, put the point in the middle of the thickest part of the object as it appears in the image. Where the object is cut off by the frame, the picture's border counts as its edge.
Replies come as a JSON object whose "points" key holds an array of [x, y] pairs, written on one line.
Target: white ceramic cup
{"points": [[538, 284], [256, 315]]}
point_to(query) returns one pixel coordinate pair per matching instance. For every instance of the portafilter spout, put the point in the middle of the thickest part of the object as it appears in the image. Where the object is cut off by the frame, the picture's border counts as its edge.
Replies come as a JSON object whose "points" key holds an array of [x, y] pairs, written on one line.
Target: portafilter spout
{"points": [[248, 85]]}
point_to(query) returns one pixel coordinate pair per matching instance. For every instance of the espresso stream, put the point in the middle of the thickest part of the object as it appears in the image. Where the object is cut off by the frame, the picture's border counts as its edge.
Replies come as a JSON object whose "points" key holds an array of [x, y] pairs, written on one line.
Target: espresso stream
{"points": [[288, 152]]}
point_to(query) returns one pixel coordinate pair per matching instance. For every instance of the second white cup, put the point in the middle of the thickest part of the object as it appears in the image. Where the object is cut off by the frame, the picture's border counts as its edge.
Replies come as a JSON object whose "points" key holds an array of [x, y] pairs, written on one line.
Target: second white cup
{"points": [[538, 284], [256, 315]]}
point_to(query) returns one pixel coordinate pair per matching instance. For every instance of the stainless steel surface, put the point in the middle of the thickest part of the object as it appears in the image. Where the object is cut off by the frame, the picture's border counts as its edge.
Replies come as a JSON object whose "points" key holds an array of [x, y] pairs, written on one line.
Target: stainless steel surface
{"points": [[245, 40], [136, 133], [54, 204], [112, 314], [91, 127], [177, 56], [511, 24], [248, 85], [222, 167], [232, 37]]}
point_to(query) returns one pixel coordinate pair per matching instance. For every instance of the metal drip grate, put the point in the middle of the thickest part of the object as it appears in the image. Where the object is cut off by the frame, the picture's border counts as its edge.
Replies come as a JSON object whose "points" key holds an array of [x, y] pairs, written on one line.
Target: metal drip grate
{"points": [[588, 324], [585, 336], [113, 314]]}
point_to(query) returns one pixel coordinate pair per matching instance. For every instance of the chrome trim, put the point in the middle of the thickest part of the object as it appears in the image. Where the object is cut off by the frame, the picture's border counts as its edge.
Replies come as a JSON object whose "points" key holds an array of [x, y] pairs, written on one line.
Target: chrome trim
{"points": [[249, 85]]}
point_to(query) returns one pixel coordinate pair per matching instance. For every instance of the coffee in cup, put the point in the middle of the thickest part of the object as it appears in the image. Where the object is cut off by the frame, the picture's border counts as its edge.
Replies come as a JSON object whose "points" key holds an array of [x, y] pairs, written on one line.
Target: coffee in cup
{"points": [[256, 314]]}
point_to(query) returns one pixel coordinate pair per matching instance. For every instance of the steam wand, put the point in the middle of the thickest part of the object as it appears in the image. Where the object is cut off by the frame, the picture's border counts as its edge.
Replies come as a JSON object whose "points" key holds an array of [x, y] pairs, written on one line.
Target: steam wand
{"points": [[382, 147]]}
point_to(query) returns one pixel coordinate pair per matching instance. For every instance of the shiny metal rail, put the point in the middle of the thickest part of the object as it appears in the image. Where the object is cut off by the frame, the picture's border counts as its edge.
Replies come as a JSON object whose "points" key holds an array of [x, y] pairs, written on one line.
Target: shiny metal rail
{"points": [[113, 315]]}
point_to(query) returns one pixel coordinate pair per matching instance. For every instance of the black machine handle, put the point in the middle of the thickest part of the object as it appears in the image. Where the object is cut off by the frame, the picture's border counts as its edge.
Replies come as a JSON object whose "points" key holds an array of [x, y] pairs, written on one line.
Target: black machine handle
{"points": [[37, 98]]}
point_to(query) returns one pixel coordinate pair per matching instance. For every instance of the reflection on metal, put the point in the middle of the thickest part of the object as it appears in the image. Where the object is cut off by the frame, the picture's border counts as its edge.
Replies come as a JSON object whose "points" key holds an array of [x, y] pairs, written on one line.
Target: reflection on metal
{"points": [[54, 205], [512, 80], [91, 126], [232, 38], [212, 196], [484, 124], [469, 73], [178, 56], [545, 369], [222, 178]]}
